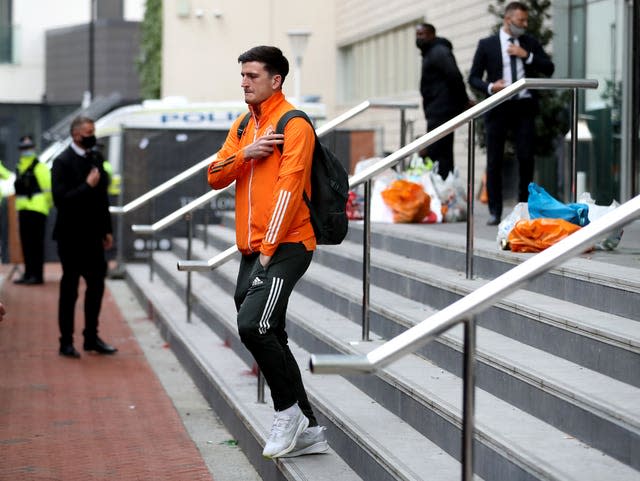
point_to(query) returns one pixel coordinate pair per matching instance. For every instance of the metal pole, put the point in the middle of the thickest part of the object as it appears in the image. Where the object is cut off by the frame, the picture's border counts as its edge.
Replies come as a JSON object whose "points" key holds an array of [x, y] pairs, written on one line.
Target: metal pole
{"points": [[574, 142], [403, 134], [151, 246], [92, 49], [120, 218], [205, 239], [260, 387], [189, 218], [468, 399], [366, 259], [471, 157]]}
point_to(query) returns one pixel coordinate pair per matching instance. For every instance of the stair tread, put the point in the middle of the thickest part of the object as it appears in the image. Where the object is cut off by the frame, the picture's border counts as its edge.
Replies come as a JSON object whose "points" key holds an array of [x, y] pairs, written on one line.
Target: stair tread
{"points": [[540, 367], [545, 445], [361, 415]]}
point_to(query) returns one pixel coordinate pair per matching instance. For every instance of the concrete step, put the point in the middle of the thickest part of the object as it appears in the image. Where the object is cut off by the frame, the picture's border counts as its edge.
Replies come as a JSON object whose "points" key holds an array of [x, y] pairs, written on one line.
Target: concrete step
{"points": [[493, 465], [380, 445]]}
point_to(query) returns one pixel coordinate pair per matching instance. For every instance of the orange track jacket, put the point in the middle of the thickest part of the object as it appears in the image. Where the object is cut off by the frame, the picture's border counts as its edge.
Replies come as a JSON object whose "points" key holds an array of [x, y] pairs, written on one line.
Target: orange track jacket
{"points": [[269, 204]]}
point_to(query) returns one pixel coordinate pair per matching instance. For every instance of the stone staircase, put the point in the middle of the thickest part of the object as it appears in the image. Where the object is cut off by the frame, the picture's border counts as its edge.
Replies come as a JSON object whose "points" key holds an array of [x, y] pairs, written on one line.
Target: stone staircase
{"points": [[558, 363]]}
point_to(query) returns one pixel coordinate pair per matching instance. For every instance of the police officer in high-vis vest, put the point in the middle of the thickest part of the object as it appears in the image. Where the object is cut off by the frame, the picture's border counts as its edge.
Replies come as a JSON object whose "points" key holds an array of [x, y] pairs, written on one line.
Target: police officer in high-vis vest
{"points": [[33, 202]]}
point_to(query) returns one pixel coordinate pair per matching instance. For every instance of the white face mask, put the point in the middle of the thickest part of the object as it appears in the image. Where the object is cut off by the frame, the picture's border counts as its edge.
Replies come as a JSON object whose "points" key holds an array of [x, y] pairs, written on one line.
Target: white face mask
{"points": [[515, 30]]}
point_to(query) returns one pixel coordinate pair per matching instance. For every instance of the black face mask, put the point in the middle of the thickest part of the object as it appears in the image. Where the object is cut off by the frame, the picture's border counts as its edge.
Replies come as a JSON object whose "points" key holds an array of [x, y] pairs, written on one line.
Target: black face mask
{"points": [[88, 142], [422, 43]]}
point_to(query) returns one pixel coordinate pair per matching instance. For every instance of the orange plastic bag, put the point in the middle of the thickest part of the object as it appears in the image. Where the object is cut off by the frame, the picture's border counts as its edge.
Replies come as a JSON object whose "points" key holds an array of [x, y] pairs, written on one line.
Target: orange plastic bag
{"points": [[538, 234], [408, 201]]}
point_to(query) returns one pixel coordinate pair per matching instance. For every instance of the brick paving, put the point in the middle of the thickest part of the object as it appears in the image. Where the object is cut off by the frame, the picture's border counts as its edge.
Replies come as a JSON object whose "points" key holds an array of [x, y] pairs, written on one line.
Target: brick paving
{"points": [[93, 418]]}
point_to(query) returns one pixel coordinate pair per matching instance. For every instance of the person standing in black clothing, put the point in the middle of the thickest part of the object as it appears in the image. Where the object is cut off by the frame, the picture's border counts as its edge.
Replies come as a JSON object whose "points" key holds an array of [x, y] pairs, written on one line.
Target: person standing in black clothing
{"points": [[83, 231], [506, 57], [443, 92]]}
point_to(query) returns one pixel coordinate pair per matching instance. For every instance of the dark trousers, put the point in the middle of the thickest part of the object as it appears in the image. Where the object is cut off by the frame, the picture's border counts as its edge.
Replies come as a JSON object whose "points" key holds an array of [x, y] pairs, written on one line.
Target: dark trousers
{"points": [[442, 150], [517, 116], [32, 231], [261, 299], [78, 259]]}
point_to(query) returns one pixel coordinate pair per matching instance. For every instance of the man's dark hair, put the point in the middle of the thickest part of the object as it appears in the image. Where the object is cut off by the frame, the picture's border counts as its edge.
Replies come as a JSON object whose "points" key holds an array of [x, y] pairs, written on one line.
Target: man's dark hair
{"points": [[515, 6], [78, 121], [272, 58], [428, 27]]}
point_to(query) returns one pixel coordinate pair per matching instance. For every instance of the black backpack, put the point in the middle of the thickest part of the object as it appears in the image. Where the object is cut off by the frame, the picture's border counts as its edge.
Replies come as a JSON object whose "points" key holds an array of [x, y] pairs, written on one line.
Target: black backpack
{"points": [[26, 183], [329, 186]]}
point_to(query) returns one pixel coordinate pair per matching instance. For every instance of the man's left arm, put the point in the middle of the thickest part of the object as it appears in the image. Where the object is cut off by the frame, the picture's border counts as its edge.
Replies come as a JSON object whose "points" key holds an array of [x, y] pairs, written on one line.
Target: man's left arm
{"points": [[295, 169]]}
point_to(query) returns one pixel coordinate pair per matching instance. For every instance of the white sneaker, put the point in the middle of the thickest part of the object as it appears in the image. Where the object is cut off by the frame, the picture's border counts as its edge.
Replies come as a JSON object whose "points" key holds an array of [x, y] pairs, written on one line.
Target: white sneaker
{"points": [[311, 441], [285, 430]]}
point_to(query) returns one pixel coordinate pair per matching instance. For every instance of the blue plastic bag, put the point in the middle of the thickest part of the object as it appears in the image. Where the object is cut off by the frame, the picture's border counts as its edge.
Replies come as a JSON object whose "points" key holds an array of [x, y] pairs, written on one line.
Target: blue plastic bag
{"points": [[543, 205]]}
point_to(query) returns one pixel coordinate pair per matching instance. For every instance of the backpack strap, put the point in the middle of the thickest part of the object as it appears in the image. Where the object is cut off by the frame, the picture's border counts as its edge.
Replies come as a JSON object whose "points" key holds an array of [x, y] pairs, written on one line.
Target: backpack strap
{"points": [[280, 130], [285, 119], [243, 124]]}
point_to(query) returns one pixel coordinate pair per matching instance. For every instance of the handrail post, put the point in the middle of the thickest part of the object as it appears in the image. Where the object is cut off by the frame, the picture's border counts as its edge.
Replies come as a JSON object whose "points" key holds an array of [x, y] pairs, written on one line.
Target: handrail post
{"points": [[468, 398], [574, 143], [189, 218], [151, 246], [366, 259], [471, 162], [260, 387], [205, 239], [403, 134]]}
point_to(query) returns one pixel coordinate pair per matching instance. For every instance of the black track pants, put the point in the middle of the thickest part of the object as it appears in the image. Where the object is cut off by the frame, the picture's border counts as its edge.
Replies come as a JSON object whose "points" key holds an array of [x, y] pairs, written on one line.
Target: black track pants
{"points": [[261, 299]]}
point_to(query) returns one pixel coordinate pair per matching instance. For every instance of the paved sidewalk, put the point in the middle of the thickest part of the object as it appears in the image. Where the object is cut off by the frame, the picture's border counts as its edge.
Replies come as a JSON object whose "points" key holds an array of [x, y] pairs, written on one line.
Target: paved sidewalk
{"points": [[96, 418]]}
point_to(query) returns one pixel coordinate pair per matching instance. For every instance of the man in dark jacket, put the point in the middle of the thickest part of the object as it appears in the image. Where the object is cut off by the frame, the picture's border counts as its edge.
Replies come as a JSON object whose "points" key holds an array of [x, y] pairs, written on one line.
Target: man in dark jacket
{"points": [[83, 231], [443, 92], [506, 57]]}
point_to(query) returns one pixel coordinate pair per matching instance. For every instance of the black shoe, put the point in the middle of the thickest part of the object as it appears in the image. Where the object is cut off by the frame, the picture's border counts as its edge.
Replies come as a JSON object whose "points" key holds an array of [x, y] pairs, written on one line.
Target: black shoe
{"points": [[493, 220], [32, 281], [100, 347], [69, 351]]}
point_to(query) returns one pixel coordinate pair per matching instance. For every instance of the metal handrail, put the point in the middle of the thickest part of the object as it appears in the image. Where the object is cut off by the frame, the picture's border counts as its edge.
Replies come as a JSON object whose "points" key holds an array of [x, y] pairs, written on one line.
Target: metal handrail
{"points": [[196, 168], [202, 266], [464, 310], [480, 299], [165, 186]]}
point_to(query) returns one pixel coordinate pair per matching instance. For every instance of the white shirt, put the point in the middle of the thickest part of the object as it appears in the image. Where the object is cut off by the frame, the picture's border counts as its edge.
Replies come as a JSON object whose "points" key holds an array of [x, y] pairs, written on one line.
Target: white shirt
{"points": [[78, 150], [506, 63]]}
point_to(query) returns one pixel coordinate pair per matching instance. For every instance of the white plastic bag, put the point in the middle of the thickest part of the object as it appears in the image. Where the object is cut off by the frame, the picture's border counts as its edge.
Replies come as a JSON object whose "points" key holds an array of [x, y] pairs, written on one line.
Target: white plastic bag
{"points": [[612, 239], [519, 212]]}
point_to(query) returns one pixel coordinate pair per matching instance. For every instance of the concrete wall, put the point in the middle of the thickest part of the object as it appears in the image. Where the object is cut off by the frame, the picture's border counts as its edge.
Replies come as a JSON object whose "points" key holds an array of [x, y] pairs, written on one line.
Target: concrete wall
{"points": [[116, 49], [24, 81], [200, 49]]}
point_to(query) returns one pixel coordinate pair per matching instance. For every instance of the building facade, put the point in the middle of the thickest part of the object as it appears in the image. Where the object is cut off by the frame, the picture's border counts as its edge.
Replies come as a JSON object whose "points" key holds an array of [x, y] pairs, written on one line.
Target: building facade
{"points": [[362, 50]]}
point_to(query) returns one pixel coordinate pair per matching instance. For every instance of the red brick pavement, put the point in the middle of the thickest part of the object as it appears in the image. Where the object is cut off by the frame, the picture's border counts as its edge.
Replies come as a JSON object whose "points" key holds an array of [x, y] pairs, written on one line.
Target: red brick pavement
{"points": [[96, 418]]}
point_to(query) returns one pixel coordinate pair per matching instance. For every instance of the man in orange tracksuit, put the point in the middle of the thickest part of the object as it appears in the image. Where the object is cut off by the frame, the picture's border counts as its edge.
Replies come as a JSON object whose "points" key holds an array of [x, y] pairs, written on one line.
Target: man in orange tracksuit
{"points": [[276, 239]]}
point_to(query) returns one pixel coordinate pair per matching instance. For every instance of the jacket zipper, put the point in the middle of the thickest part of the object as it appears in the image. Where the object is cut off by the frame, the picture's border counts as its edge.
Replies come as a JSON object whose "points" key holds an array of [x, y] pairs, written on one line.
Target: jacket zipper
{"points": [[255, 135]]}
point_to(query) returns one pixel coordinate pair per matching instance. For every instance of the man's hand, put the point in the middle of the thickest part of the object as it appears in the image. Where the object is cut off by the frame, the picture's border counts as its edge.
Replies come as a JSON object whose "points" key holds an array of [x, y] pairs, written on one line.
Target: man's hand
{"points": [[498, 85], [107, 242], [263, 146], [517, 51], [94, 177], [264, 260]]}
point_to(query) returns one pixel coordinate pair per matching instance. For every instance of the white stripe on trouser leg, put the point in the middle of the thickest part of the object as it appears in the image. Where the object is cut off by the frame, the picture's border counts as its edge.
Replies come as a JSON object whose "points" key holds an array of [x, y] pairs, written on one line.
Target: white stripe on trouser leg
{"points": [[272, 300], [277, 216]]}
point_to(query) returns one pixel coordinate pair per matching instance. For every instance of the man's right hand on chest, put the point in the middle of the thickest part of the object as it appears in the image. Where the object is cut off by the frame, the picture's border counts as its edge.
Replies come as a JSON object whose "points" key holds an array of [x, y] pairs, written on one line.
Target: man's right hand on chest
{"points": [[94, 177], [263, 146]]}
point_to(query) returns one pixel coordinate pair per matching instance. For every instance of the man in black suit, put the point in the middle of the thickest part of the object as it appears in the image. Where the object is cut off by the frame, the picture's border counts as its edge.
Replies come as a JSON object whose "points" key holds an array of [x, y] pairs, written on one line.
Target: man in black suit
{"points": [[83, 231], [508, 56]]}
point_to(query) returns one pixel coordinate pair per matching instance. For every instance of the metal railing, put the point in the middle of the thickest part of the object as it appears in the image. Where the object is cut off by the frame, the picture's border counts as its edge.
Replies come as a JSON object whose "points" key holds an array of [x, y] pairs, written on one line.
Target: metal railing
{"points": [[467, 117], [187, 210], [463, 310]]}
